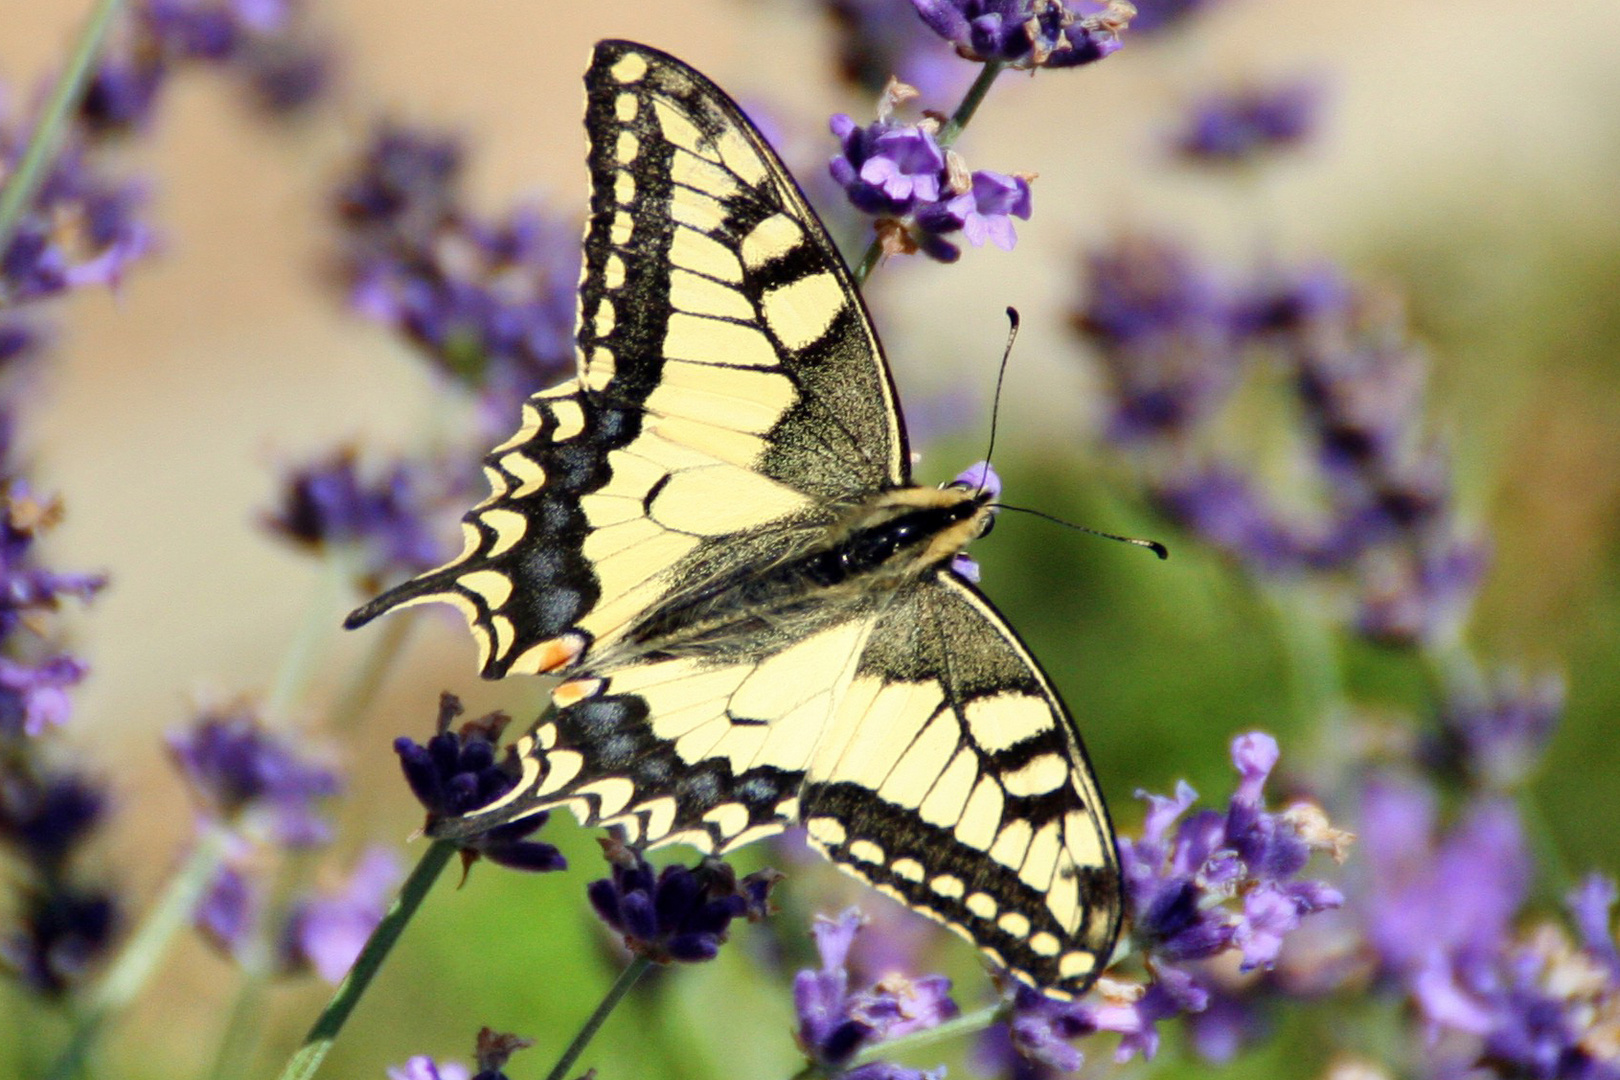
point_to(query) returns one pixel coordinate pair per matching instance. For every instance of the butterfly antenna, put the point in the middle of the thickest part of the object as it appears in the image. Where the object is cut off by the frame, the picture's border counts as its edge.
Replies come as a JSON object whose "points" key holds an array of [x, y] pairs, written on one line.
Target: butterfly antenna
{"points": [[995, 407], [1152, 545]]}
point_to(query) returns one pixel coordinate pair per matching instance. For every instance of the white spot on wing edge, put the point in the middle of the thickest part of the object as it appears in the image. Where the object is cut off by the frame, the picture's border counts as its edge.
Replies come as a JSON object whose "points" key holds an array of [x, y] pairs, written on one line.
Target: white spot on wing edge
{"points": [[629, 68]]}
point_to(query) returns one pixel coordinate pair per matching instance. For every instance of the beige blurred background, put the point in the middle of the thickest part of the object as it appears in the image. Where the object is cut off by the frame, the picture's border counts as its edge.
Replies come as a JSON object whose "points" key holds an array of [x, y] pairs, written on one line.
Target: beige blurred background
{"points": [[1475, 144]]}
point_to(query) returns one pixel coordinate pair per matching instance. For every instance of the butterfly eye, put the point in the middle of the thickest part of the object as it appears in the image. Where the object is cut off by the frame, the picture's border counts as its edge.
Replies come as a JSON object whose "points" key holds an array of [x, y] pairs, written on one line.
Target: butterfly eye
{"points": [[989, 523]]}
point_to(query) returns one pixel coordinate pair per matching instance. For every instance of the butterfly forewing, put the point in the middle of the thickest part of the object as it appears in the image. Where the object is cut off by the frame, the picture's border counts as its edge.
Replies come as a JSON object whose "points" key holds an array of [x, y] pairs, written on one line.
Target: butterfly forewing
{"points": [[667, 529]]}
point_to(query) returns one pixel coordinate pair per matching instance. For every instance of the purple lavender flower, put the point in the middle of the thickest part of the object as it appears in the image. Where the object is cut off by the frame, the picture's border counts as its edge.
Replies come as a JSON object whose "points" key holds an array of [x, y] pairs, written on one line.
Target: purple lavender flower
{"points": [[249, 776], [491, 302], [1175, 882], [327, 933], [44, 816], [1591, 907], [1175, 342], [677, 914], [1434, 898], [1239, 125], [835, 1023], [423, 1067], [64, 930], [35, 696], [1029, 33], [1494, 734], [920, 193], [887, 168], [1162, 326], [457, 772], [494, 1049], [977, 477], [393, 518], [81, 230], [250, 38], [229, 912]]}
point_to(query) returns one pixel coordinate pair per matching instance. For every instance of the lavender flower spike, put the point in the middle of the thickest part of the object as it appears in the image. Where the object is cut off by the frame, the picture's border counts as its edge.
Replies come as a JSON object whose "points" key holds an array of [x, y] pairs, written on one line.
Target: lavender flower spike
{"points": [[835, 1022], [326, 933], [679, 914], [457, 772], [249, 776], [1029, 33]]}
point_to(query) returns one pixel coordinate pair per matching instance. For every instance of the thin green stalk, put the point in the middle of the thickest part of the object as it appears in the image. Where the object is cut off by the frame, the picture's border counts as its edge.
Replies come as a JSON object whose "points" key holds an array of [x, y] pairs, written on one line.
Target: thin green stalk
{"points": [[139, 958], [367, 677], [306, 647], [970, 103], [23, 184], [324, 1032], [610, 1001], [947, 135], [241, 1027]]}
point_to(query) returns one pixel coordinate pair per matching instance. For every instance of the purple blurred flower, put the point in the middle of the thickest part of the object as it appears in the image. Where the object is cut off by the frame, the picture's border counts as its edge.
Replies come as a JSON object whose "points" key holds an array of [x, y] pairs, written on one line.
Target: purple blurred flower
{"points": [[492, 302], [1591, 907], [679, 914], [247, 38], [229, 911], [1029, 33], [393, 518], [1155, 15], [327, 933], [423, 1067], [836, 1023], [877, 39], [44, 815], [1161, 324], [457, 772], [1494, 734], [1238, 125], [63, 931], [35, 696], [1434, 898], [28, 590], [250, 776], [81, 229], [1375, 507]]}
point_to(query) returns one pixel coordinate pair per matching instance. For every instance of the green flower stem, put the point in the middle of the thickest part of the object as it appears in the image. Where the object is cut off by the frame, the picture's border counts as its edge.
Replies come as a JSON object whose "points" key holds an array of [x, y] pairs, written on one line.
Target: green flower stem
{"points": [[23, 184], [621, 986], [242, 1027], [367, 677], [140, 956], [970, 103], [947, 135], [307, 646], [1309, 642], [324, 1032]]}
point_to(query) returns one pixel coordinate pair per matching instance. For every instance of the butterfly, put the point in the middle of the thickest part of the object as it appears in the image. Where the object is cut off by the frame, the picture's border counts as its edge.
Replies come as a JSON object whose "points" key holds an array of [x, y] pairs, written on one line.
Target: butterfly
{"points": [[712, 536]]}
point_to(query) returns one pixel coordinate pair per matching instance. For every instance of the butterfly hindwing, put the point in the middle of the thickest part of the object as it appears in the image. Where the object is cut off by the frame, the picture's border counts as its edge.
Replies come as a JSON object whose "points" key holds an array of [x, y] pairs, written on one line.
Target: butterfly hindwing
{"points": [[954, 781], [705, 751]]}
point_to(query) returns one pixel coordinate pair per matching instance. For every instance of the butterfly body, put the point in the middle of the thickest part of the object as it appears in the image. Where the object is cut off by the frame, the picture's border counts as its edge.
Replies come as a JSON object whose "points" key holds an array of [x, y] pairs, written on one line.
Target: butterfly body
{"points": [[712, 536]]}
